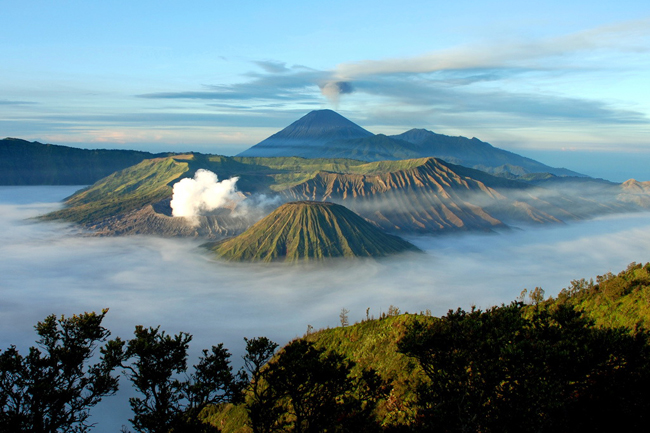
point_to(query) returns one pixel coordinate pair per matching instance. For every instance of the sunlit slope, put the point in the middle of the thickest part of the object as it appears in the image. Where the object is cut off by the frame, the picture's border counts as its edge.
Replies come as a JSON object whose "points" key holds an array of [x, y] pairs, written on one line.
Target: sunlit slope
{"points": [[310, 231], [424, 195], [132, 188], [633, 191]]}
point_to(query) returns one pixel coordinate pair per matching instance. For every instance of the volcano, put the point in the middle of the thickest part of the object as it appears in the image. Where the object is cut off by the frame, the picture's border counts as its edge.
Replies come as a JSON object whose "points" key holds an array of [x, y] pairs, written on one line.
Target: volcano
{"points": [[307, 231], [327, 134], [307, 135]]}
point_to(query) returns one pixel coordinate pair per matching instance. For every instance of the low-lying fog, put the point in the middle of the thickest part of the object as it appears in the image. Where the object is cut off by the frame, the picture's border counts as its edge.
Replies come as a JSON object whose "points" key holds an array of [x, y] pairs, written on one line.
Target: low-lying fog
{"points": [[46, 268]]}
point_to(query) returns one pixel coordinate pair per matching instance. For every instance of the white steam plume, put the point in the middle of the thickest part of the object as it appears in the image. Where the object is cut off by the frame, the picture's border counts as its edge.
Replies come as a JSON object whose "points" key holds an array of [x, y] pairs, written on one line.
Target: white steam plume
{"points": [[203, 194]]}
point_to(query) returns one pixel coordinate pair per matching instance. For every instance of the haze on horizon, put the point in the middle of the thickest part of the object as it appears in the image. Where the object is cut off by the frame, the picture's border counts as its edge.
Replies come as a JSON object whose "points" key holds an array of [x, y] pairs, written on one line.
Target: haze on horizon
{"points": [[561, 82]]}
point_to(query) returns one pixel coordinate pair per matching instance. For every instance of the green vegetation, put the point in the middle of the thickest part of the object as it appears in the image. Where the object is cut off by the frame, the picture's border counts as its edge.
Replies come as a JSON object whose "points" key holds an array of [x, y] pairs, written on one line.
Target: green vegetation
{"points": [[372, 344], [519, 369], [580, 362], [621, 300], [145, 183], [310, 231], [153, 363], [52, 388]]}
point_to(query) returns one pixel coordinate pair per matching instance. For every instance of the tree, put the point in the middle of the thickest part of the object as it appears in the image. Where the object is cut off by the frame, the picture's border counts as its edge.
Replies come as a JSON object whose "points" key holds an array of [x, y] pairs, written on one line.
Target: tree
{"points": [[306, 389], [517, 368], [52, 388], [157, 363], [260, 401], [344, 317]]}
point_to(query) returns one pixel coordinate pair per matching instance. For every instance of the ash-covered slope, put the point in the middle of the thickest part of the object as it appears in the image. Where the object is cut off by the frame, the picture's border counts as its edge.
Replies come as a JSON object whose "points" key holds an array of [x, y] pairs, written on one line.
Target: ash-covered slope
{"points": [[304, 231], [429, 195], [306, 136]]}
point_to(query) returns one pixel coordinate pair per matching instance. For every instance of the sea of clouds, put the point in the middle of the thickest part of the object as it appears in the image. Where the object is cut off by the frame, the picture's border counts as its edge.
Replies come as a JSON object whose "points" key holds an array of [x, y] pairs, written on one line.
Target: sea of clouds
{"points": [[48, 267]]}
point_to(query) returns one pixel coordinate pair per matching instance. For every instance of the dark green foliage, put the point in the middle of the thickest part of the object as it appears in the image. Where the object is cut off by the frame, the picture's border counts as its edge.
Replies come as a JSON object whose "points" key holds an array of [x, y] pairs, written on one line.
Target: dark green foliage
{"points": [[517, 368], [168, 403], [261, 412], [52, 388], [310, 390]]}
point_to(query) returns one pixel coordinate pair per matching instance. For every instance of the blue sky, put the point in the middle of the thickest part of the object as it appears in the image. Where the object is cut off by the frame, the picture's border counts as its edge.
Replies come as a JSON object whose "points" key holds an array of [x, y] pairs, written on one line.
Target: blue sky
{"points": [[556, 80]]}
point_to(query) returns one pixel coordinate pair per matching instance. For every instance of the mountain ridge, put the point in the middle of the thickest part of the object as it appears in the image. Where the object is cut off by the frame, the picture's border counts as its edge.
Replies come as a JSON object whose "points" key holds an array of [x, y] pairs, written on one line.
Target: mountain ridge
{"points": [[25, 162], [310, 137]]}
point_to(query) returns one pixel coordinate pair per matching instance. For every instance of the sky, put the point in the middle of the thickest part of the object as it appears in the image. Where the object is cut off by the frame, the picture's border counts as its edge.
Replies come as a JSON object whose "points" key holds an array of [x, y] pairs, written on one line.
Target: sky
{"points": [[563, 82], [47, 268]]}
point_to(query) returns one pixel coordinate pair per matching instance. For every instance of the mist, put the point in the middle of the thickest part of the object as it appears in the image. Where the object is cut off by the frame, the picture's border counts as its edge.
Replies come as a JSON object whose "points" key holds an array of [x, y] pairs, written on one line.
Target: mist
{"points": [[49, 267]]}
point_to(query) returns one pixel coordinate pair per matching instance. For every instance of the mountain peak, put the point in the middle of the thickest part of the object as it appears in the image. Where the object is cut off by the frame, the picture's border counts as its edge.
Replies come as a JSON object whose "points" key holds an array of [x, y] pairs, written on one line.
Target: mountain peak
{"points": [[308, 230], [313, 129]]}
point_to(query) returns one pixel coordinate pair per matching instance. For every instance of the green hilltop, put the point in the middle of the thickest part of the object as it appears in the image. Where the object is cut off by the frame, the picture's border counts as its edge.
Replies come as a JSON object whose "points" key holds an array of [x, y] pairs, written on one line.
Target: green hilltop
{"points": [[304, 231]]}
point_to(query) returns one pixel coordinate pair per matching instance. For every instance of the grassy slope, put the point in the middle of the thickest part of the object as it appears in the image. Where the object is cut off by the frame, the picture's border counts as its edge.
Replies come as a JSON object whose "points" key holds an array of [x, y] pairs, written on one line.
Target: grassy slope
{"points": [[371, 344], [310, 230], [151, 180], [613, 300], [125, 190]]}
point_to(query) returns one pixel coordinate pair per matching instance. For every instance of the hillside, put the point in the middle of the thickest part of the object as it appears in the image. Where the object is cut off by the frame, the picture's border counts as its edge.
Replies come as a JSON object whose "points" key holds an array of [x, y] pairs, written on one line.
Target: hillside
{"points": [[476, 154], [555, 361], [428, 195], [327, 134], [423, 195], [613, 300], [307, 231], [33, 163]]}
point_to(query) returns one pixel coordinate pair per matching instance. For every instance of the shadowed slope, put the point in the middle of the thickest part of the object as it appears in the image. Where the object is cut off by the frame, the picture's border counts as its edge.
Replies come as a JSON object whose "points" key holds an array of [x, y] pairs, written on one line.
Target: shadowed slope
{"points": [[310, 231], [32, 163], [475, 153], [308, 135]]}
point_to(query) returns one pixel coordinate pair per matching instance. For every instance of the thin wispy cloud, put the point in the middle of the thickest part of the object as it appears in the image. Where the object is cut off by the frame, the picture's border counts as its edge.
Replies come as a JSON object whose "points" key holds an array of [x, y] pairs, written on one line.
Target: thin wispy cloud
{"points": [[628, 37], [8, 102], [476, 78]]}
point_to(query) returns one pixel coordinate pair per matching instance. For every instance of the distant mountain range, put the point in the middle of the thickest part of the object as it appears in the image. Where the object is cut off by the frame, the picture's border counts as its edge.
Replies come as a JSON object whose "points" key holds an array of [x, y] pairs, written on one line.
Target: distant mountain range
{"points": [[32, 163], [327, 134], [131, 191]]}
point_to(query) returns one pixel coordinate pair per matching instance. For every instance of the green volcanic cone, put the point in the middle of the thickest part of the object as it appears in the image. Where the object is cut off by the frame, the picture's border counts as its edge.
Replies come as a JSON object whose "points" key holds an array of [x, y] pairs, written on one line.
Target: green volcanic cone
{"points": [[306, 230]]}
